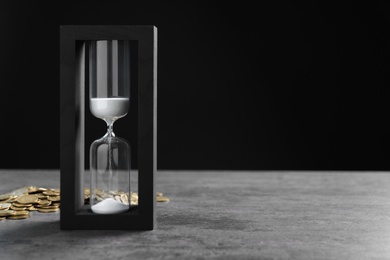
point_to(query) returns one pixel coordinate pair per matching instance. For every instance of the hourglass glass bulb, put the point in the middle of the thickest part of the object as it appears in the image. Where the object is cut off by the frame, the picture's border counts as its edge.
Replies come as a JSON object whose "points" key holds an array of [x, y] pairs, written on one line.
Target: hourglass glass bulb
{"points": [[109, 109], [109, 100]]}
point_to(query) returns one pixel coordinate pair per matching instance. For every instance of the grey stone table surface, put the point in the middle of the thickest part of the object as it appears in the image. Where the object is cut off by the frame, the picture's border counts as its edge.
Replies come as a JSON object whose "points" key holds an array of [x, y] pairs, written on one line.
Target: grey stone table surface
{"points": [[224, 215]]}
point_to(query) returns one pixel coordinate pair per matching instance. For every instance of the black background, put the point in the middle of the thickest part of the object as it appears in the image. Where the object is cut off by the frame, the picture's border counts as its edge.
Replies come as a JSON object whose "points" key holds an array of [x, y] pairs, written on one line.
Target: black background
{"points": [[277, 86]]}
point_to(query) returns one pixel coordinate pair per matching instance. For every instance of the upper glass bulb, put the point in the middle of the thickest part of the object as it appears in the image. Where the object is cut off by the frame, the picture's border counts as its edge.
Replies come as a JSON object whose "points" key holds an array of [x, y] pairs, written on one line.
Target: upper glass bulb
{"points": [[109, 79]]}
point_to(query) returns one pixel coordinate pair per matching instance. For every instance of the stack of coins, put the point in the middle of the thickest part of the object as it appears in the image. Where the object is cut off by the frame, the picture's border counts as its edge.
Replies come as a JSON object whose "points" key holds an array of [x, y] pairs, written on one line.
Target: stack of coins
{"points": [[19, 203], [121, 196], [160, 197]]}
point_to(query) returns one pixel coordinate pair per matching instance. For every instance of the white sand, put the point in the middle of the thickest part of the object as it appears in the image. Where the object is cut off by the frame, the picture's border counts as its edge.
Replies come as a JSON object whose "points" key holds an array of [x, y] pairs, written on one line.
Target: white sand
{"points": [[109, 108], [109, 206]]}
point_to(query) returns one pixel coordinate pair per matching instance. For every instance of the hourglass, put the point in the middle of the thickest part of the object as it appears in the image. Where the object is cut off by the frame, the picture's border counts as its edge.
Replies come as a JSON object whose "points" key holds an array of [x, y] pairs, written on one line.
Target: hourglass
{"points": [[109, 97], [97, 63]]}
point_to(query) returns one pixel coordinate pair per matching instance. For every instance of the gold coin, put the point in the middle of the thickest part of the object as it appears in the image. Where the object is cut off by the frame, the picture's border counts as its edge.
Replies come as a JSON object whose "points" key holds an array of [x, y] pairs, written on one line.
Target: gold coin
{"points": [[52, 192], [21, 205], [5, 196], [21, 213], [2, 218], [18, 217], [32, 208], [26, 199], [35, 190], [6, 213], [32, 189], [11, 200], [17, 208], [124, 199], [41, 206], [48, 210], [50, 207], [5, 205], [159, 194], [20, 191], [41, 196], [44, 202], [54, 198], [162, 199]]}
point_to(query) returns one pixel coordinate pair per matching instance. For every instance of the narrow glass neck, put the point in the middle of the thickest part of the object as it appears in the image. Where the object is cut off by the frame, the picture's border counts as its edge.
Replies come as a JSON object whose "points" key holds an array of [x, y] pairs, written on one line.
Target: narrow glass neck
{"points": [[110, 129]]}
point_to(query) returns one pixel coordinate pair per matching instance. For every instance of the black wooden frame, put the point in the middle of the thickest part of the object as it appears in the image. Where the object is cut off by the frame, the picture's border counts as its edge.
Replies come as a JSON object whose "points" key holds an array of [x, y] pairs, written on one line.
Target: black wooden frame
{"points": [[74, 214]]}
